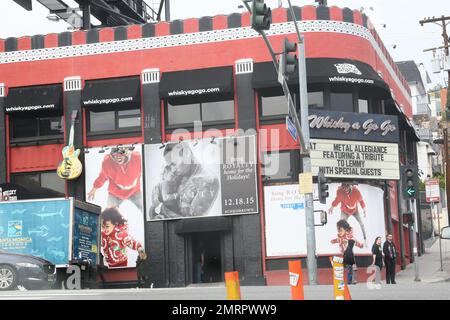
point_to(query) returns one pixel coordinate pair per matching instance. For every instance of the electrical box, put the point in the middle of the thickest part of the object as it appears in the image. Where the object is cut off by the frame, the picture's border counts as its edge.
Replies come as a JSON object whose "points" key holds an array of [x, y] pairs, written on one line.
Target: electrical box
{"points": [[436, 65]]}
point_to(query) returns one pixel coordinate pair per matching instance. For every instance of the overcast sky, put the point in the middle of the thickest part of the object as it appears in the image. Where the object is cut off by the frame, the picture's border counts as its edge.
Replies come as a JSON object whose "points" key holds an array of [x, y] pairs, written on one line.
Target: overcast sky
{"points": [[400, 16]]}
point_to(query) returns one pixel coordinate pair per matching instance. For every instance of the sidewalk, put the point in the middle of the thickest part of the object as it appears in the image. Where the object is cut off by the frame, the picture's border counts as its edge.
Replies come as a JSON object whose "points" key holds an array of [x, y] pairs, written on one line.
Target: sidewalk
{"points": [[429, 265]]}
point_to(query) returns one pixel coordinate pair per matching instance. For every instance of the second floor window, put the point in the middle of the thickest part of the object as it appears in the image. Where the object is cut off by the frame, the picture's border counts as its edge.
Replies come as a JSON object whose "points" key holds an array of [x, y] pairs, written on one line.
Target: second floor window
{"points": [[105, 122], [179, 115], [36, 128]]}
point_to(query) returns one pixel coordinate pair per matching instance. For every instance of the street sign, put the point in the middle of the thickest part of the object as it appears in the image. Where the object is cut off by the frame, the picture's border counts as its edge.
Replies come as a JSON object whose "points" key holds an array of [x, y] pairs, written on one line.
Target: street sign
{"points": [[291, 128], [432, 190], [411, 191], [305, 182]]}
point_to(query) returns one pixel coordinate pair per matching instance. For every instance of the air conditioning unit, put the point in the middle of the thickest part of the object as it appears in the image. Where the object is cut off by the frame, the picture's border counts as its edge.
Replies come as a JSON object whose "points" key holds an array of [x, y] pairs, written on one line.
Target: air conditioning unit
{"points": [[446, 63], [436, 65]]}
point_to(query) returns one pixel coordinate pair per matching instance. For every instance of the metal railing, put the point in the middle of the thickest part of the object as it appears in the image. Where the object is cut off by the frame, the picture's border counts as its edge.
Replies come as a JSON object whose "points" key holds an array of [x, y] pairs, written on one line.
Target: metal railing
{"points": [[148, 13], [424, 134], [422, 109]]}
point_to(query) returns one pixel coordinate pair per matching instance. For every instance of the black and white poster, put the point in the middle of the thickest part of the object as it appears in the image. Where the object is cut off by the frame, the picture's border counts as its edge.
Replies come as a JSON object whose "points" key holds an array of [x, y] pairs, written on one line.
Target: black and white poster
{"points": [[199, 178]]}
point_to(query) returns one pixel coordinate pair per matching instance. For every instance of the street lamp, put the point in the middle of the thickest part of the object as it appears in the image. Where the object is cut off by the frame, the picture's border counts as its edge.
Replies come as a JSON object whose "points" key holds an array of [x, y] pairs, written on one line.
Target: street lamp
{"points": [[53, 17]]}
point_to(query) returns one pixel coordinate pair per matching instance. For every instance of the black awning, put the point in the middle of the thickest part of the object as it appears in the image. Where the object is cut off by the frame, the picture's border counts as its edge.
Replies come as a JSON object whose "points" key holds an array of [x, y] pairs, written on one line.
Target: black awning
{"points": [[203, 224], [112, 93], [322, 70], [197, 83], [35, 100], [12, 191]]}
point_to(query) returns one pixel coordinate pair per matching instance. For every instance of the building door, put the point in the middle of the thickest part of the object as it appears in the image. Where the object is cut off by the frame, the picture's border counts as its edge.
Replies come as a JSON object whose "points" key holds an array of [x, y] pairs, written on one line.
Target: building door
{"points": [[207, 257]]}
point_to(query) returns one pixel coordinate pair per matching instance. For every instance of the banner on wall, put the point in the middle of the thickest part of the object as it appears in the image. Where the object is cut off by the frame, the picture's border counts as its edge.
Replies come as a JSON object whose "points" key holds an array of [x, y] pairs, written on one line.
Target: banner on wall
{"points": [[207, 177], [355, 159], [354, 212], [39, 228], [114, 182]]}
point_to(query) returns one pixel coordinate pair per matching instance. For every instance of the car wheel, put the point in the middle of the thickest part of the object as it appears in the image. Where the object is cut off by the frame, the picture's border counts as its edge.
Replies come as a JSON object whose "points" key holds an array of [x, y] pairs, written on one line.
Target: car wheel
{"points": [[8, 278]]}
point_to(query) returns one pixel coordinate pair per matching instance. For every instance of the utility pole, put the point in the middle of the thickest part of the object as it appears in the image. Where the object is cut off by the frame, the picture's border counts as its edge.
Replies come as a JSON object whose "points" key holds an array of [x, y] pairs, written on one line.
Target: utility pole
{"points": [[442, 22], [302, 129]]}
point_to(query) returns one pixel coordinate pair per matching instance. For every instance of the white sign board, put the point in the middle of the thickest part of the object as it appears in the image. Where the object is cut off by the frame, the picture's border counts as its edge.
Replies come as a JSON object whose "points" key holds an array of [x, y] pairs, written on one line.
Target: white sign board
{"points": [[432, 191], [355, 159], [362, 208]]}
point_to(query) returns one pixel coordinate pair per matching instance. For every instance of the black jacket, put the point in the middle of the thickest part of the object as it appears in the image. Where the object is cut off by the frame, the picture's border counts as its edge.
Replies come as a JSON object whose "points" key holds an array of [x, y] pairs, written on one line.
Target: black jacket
{"points": [[142, 266], [349, 257], [387, 248]]}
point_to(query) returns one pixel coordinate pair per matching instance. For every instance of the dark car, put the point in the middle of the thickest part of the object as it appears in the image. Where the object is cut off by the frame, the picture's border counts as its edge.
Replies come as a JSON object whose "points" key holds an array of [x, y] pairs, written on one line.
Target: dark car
{"points": [[26, 270]]}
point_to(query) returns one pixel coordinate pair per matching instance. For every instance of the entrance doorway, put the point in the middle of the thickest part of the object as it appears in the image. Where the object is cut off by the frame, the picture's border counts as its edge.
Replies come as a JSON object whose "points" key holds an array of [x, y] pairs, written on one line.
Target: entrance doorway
{"points": [[206, 257]]}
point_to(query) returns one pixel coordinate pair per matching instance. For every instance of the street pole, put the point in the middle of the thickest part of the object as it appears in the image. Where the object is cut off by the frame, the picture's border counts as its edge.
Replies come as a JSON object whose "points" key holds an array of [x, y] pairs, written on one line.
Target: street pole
{"points": [[86, 8], [303, 133], [309, 201], [415, 245], [439, 234], [442, 21]]}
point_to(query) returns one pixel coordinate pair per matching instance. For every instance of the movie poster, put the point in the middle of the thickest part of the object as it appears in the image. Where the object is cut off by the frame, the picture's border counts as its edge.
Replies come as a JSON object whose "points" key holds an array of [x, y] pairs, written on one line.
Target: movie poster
{"points": [[114, 182], [199, 178], [354, 211]]}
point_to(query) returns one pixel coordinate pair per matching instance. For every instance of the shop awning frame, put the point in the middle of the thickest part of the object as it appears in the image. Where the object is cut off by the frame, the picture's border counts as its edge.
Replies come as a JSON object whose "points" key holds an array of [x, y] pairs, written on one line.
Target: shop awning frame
{"points": [[110, 93], [197, 83], [35, 100]]}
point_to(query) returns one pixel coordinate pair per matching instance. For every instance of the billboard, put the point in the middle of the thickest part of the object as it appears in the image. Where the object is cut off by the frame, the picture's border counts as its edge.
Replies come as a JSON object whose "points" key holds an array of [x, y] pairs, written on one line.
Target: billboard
{"points": [[355, 159], [114, 182], [354, 212], [353, 126], [199, 178], [37, 227], [85, 235]]}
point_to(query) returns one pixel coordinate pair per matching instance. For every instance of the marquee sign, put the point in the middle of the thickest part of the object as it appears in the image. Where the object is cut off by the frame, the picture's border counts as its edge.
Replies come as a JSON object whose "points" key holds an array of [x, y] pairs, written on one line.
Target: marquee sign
{"points": [[352, 159], [353, 126]]}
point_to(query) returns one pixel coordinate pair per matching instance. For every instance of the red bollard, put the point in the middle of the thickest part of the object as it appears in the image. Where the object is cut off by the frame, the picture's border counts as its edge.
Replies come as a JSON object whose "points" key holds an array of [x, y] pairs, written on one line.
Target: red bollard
{"points": [[296, 280]]}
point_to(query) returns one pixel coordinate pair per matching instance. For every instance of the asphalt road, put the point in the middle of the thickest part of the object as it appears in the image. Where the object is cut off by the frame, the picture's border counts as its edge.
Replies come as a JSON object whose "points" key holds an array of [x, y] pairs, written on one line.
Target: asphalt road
{"points": [[413, 291]]}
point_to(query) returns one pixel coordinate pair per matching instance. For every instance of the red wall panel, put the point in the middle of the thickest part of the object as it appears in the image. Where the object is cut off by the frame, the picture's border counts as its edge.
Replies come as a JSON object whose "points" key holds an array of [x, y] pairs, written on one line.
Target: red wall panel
{"points": [[162, 29], [134, 32], [78, 37], [220, 22], [24, 43], [336, 14], [276, 137], [309, 13], [191, 25], [51, 40], [106, 35], [35, 158]]}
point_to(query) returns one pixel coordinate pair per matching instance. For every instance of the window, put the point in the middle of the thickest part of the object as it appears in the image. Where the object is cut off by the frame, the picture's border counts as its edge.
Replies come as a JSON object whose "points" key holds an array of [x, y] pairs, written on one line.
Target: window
{"points": [[363, 106], [274, 106], [341, 101], [47, 179], [315, 99], [186, 114], [276, 166], [112, 121], [36, 127]]}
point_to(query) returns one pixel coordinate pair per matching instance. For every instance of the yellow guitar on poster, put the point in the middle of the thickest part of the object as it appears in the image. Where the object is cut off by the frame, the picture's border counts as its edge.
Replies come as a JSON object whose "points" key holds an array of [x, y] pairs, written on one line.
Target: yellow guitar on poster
{"points": [[70, 168]]}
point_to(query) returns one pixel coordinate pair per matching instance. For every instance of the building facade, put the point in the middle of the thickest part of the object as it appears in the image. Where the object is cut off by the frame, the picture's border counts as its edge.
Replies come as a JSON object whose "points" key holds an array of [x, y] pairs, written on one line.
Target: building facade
{"points": [[147, 87]]}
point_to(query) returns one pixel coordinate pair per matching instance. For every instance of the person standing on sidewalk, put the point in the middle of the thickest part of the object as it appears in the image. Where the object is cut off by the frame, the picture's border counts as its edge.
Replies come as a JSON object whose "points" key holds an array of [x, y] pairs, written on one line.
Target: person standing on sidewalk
{"points": [[349, 260], [390, 255], [377, 254]]}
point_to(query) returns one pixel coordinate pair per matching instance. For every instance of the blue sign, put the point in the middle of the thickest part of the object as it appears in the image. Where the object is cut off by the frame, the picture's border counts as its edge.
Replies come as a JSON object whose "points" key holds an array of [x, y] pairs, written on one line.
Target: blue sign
{"points": [[291, 128], [85, 235], [39, 228]]}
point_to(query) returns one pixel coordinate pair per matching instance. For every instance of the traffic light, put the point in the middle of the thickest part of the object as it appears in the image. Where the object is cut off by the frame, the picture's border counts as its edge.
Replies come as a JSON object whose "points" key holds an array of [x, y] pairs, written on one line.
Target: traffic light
{"points": [[410, 181], [288, 62], [261, 15], [323, 187]]}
